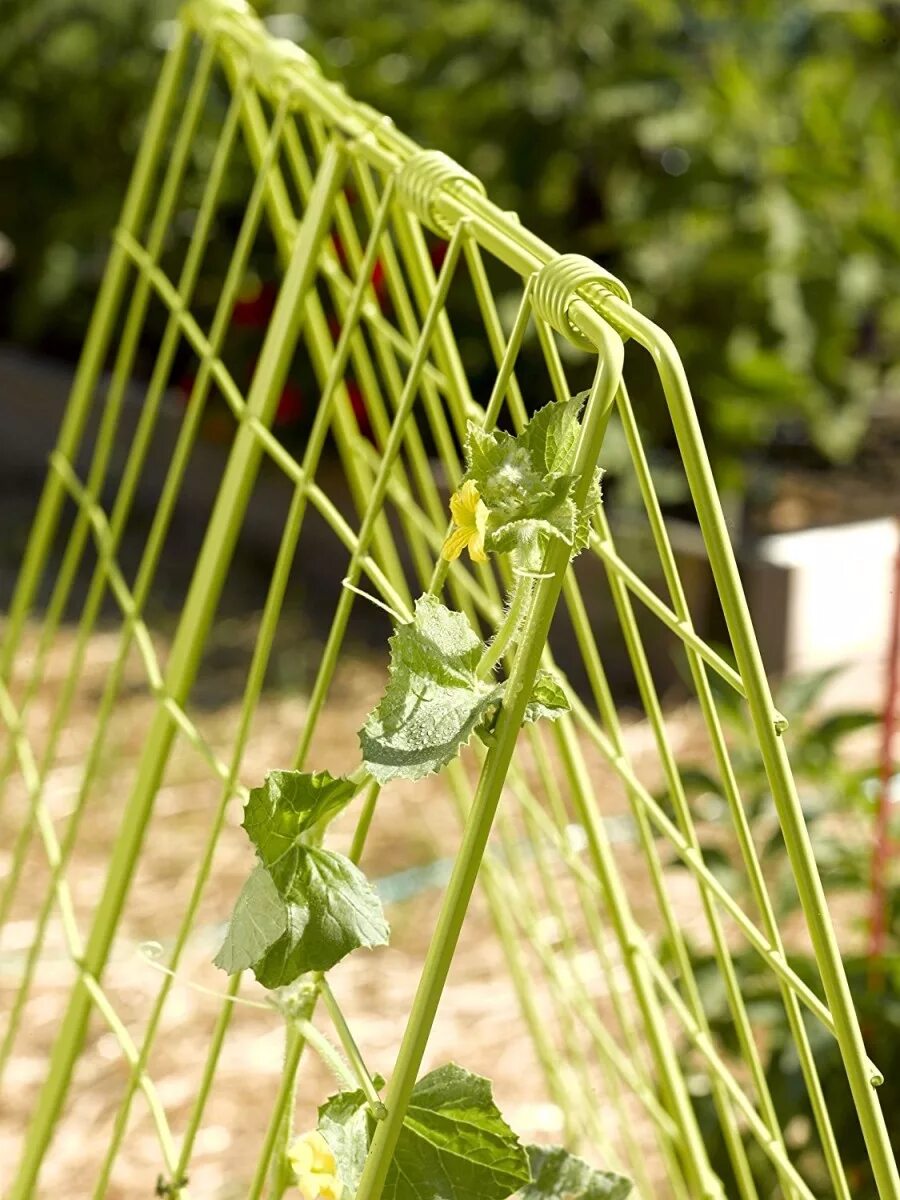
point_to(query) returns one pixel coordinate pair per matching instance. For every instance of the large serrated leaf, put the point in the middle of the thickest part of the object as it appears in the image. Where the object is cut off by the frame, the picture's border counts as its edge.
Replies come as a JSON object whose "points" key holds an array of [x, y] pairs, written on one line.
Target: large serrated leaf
{"points": [[454, 1144], [288, 804], [433, 701], [331, 909], [558, 1175]]}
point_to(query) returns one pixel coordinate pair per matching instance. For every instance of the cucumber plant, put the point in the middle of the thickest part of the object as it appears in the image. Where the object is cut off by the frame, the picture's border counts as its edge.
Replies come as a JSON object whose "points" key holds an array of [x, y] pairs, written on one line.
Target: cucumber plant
{"points": [[305, 907]]}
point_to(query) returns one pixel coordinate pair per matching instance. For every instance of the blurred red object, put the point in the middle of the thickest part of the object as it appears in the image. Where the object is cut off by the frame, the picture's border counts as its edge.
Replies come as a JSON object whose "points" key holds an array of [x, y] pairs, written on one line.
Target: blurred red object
{"points": [[339, 250], [290, 405], [438, 253], [883, 848], [254, 306], [185, 386], [358, 404], [218, 427], [379, 282]]}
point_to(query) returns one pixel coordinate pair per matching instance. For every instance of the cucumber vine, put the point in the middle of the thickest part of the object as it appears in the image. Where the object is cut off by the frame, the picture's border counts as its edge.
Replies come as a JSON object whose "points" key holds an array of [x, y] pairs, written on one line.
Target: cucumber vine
{"points": [[304, 908]]}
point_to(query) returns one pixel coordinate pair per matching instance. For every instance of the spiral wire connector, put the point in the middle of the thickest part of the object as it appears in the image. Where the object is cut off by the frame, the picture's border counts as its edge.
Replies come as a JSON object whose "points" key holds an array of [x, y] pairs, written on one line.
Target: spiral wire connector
{"points": [[573, 277], [424, 178]]}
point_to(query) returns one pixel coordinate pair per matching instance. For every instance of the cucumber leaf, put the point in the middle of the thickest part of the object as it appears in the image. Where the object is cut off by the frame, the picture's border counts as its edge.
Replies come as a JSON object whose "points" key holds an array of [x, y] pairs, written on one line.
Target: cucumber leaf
{"points": [[433, 701], [303, 908], [559, 1175], [454, 1143]]}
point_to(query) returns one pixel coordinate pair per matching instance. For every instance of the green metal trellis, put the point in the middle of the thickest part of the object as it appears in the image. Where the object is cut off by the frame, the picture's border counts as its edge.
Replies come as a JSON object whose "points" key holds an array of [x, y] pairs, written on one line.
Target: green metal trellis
{"points": [[309, 145]]}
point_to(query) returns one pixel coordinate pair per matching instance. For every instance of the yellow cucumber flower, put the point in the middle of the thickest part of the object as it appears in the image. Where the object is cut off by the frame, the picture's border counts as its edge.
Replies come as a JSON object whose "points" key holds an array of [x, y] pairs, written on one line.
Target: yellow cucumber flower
{"points": [[470, 514], [314, 1165]]}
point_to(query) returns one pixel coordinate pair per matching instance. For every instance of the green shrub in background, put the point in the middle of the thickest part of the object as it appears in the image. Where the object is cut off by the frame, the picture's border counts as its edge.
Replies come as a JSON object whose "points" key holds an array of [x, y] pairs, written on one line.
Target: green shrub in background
{"points": [[75, 82], [738, 165]]}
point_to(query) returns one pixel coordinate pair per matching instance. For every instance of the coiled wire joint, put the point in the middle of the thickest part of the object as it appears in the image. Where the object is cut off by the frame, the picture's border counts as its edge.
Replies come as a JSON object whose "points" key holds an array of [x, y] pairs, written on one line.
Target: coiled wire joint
{"points": [[573, 277]]}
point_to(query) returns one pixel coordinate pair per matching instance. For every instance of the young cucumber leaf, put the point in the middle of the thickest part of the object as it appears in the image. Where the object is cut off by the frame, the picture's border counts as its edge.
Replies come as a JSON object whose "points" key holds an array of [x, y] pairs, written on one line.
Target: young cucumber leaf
{"points": [[526, 482], [454, 1143], [503, 470], [550, 514], [331, 909], [552, 434], [434, 699], [310, 914], [583, 518], [548, 700], [303, 908], [345, 1124], [558, 1175], [288, 804]]}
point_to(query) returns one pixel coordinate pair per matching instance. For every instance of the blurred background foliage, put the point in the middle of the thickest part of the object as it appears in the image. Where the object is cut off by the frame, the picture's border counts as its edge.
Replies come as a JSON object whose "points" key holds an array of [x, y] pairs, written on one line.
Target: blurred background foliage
{"points": [[738, 165]]}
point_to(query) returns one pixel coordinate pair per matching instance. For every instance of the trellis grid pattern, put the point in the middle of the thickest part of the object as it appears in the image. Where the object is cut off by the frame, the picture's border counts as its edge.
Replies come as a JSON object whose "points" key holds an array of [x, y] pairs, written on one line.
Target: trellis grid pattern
{"points": [[341, 194]]}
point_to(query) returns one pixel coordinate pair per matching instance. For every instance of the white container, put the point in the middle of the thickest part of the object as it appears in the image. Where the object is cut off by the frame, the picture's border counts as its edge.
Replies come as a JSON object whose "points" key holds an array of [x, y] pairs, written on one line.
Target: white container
{"points": [[833, 602]]}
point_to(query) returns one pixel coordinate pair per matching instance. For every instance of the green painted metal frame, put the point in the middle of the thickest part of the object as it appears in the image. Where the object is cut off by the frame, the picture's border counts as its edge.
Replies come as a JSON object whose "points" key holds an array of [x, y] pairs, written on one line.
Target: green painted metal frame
{"points": [[273, 85]]}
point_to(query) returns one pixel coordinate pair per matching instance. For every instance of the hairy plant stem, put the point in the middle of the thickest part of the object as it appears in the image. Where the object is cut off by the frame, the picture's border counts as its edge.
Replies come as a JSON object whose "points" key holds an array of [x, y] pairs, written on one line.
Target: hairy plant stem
{"points": [[509, 627], [282, 1177], [330, 1055], [353, 1075]]}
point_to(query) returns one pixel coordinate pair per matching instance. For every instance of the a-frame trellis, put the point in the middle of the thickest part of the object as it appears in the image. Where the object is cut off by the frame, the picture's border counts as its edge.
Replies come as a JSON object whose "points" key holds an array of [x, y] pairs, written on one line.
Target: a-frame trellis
{"points": [[340, 191]]}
